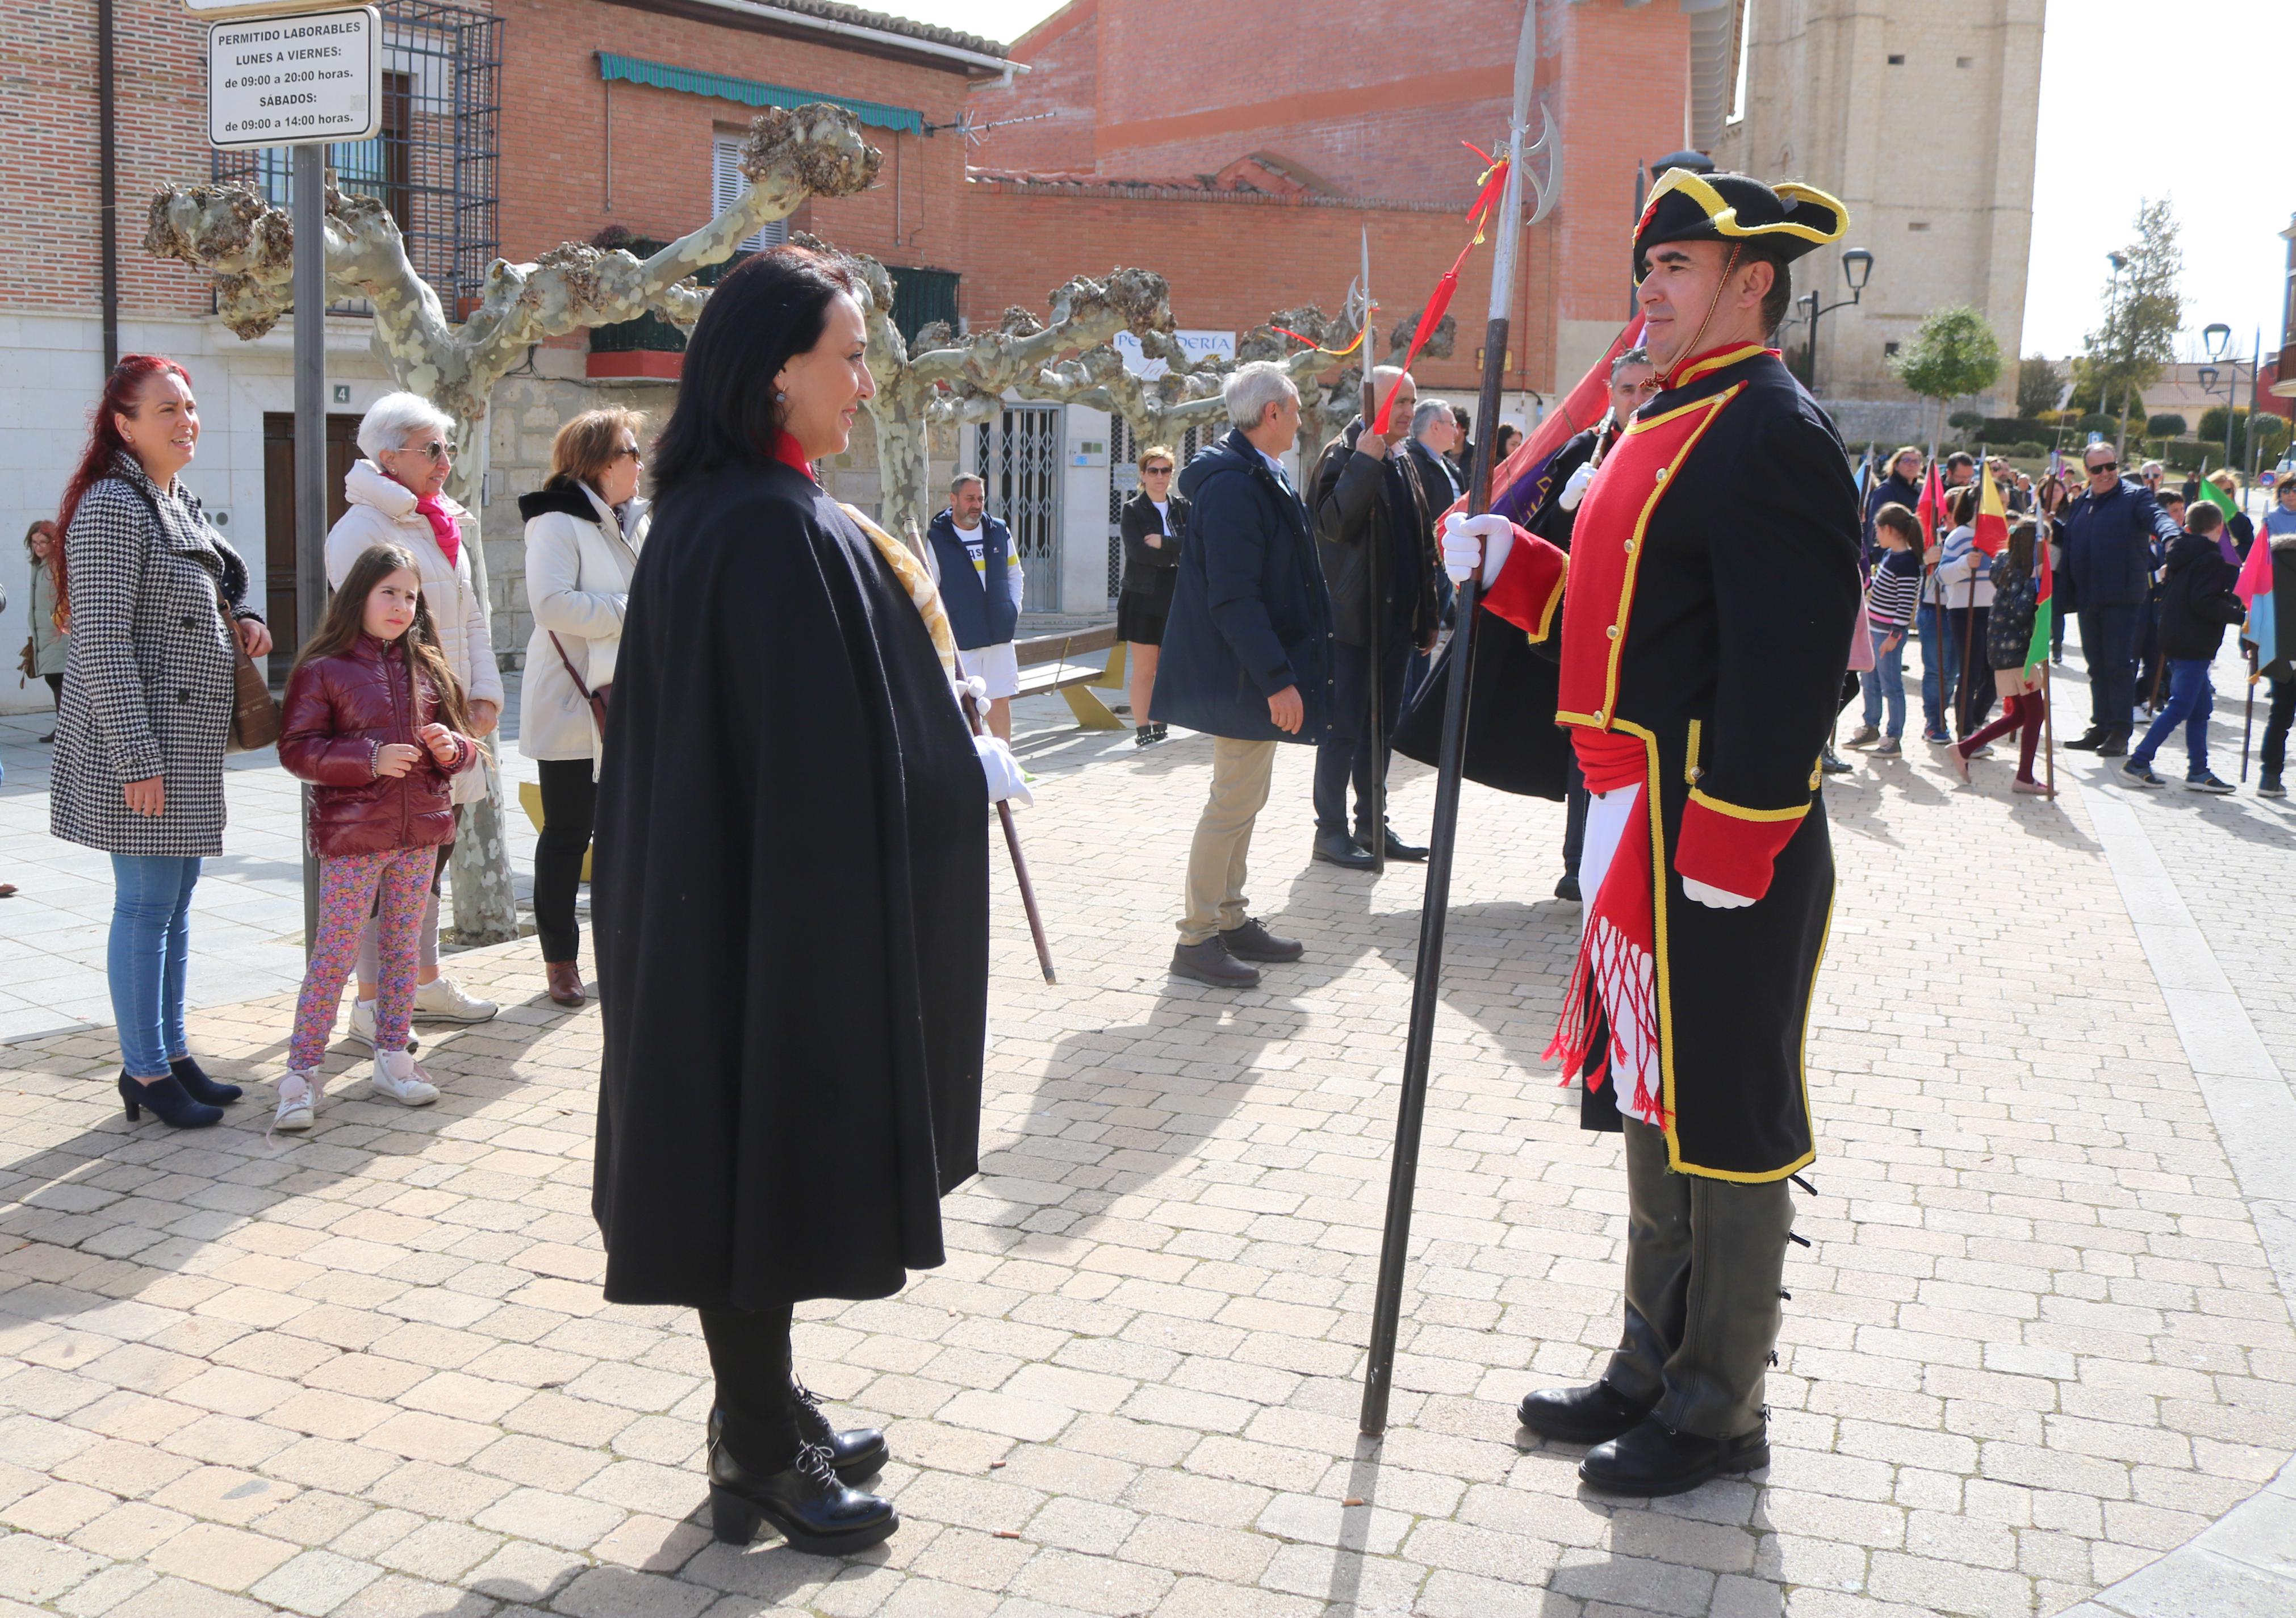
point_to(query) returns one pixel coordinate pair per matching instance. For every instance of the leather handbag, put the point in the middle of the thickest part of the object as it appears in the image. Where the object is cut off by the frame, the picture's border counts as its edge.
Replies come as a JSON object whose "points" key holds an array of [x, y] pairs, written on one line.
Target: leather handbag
{"points": [[596, 699], [254, 711]]}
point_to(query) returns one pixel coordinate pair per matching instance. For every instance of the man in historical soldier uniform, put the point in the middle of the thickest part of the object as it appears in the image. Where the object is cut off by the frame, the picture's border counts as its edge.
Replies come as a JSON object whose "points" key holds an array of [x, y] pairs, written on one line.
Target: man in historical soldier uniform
{"points": [[1713, 592]]}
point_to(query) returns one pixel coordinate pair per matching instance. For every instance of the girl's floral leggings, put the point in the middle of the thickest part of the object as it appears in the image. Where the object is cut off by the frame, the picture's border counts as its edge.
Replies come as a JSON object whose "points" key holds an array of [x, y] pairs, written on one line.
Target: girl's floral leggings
{"points": [[347, 893]]}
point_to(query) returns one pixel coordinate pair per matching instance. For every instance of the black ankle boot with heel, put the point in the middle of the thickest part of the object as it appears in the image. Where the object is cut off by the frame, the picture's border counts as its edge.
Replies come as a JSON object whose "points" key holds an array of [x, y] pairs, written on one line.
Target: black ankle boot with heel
{"points": [[198, 1085], [805, 1502], [168, 1098]]}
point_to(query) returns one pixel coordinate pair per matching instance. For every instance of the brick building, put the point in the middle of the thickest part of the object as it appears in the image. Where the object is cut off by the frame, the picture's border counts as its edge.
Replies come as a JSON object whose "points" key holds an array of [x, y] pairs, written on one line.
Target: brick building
{"points": [[510, 125]]}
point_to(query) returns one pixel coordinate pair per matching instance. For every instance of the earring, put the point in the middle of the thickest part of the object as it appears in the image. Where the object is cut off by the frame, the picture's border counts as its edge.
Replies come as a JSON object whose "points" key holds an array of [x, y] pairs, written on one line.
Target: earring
{"points": [[780, 397]]}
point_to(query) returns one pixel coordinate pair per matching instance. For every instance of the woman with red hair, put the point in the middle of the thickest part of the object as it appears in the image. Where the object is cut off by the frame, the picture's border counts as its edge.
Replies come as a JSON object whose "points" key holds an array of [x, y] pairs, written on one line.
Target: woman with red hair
{"points": [[156, 596]]}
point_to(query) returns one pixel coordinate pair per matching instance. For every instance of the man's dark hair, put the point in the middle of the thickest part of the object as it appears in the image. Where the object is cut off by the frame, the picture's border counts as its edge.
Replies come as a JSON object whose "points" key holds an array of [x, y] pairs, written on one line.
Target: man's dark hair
{"points": [[1960, 458], [1778, 301], [771, 308], [2205, 519], [1459, 414]]}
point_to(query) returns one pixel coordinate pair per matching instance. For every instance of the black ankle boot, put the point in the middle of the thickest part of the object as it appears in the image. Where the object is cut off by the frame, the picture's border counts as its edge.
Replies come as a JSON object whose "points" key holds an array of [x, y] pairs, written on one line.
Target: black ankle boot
{"points": [[1651, 1459], [168, 1099], [853, 1455], [1591, 1414], [196, 1083], [856, 1453], [805, 1501]]}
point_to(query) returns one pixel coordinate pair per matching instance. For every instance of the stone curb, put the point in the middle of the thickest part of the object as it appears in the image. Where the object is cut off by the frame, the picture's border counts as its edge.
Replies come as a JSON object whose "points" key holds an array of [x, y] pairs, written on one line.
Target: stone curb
{"points": [[2244, 1565]]}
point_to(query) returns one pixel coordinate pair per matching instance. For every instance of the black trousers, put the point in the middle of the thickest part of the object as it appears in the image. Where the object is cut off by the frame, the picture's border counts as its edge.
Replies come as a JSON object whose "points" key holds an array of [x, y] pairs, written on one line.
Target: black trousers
{"points": [[749, 1358], [569, 804], [1346, 753], [55, 688], [2109, 636], [1574, 814], [2276, 720]]}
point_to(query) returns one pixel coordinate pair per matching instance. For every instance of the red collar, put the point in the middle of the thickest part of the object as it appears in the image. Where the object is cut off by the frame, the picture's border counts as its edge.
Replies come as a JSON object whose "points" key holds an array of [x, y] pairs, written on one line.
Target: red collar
{"points": [[787, 452]]}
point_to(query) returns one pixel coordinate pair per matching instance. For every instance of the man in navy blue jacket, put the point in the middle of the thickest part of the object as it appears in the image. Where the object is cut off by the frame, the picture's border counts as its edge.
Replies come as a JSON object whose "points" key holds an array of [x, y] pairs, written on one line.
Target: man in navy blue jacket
{"points": [[2115, 535], [1247, 659]]}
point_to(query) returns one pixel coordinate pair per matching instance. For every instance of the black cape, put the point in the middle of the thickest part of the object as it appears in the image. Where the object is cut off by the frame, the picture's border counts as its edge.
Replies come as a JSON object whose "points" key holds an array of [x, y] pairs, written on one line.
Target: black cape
{"points": [[791, 903], [1512, 741]]}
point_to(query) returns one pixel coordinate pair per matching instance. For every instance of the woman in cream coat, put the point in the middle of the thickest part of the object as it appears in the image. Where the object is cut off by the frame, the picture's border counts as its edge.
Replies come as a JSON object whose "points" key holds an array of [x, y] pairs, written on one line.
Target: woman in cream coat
{"points": [[396, 497], [584, 529]]}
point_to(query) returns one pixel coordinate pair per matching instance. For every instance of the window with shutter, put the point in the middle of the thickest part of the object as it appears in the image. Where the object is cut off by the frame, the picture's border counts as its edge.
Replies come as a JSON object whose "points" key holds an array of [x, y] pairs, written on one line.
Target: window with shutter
{"points": [[726, 188]]}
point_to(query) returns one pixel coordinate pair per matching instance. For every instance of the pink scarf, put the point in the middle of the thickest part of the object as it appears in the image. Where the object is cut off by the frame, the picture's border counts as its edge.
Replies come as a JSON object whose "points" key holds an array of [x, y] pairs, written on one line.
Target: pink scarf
{"points": [[442, 527]]}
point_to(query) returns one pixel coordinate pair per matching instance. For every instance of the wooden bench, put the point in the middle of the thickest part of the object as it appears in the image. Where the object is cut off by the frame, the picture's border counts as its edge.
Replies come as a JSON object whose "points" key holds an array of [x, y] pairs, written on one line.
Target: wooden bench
{"points": [[1045, 667]]}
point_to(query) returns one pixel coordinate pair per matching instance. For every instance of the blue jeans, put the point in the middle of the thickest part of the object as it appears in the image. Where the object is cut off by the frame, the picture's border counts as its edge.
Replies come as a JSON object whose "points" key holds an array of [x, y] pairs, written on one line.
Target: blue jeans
{"points": [[2192, 698], [151, 946], [1885, 681], [1940, 666]]}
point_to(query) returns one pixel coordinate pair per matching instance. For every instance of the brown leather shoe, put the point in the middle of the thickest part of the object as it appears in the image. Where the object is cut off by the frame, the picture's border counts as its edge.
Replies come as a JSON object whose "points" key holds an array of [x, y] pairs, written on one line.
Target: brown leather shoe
{"points": [[565, 982]]}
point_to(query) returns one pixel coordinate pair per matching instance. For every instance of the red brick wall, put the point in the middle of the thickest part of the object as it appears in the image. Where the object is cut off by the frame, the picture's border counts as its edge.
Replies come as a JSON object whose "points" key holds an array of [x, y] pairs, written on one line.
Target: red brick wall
{"points": [[1063, 56], [1231, 263], [1623, 86], [49, 183], [554, 166]]}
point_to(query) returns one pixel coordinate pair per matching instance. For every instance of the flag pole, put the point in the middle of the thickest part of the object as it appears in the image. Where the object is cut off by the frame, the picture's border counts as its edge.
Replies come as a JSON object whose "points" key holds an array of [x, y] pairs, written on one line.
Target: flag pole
{"points": [[1376, 575], [2248, 715], [2049, 731], [1426, 984]]}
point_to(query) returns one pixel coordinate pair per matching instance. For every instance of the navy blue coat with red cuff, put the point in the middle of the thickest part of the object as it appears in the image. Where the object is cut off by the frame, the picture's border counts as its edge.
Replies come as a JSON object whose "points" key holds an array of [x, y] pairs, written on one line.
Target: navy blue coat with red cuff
{"points": [[1713, 595]]}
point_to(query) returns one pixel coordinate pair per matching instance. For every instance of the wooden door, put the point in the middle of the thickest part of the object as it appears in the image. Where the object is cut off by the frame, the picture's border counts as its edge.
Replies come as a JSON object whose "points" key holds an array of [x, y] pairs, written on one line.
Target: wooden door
{"points": [[279, 521]]}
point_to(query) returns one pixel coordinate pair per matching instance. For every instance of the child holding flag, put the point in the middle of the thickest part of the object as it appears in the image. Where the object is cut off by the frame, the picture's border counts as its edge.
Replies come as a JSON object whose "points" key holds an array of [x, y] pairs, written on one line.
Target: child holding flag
{"points": [[1964, 583], [2016, 645], [2197, 605]]}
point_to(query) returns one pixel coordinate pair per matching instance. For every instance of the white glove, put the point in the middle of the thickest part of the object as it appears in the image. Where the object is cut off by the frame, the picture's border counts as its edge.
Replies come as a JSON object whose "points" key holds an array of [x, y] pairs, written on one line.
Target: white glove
{"points": [[1006, 784], [1712, 896], [1575, 489], [1471, 542], [961, 686]]}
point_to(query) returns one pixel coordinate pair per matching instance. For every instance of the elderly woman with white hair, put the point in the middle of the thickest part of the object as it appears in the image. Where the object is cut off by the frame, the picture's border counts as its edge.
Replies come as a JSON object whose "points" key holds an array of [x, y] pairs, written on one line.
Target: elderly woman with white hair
{"points": [[398, 497]]}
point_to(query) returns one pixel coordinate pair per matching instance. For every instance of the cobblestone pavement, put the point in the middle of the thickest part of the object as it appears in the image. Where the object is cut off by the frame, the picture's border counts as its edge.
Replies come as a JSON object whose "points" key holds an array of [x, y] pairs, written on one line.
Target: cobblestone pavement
{"points": [[2037, 1340]]}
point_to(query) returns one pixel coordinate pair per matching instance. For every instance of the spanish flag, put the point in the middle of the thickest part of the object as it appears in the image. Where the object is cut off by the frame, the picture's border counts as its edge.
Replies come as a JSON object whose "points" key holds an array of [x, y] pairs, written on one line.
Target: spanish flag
{"points": [[1992, 515]]}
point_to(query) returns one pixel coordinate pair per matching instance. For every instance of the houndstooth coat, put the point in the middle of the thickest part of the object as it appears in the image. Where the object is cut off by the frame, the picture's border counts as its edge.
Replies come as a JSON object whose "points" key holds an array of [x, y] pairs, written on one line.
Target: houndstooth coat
{"points": [[148, 686]]}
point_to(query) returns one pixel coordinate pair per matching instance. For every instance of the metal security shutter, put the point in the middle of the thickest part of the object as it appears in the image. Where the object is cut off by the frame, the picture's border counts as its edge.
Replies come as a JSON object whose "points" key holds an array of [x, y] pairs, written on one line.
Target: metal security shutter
{"points": [[1020, 459], [727, 186]]}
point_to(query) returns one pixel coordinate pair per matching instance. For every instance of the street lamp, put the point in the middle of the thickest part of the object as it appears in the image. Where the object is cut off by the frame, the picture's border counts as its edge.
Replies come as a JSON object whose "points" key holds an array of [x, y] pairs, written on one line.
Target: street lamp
{"points": [[2216, 339], [1856, 268]]}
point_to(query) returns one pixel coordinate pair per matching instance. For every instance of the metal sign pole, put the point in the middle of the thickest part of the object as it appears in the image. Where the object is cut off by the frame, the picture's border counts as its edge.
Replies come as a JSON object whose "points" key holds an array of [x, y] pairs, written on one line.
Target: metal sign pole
{"points": [[310, 205]]}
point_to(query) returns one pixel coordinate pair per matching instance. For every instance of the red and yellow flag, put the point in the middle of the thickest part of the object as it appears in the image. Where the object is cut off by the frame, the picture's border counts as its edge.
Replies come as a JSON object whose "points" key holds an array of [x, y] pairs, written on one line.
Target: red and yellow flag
{"points": [[1992, 515]]}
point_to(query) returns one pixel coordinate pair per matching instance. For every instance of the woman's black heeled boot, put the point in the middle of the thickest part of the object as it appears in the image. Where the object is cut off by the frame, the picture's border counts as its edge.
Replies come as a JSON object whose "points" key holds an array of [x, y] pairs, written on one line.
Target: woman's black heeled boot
{"points": [[168, 1099], [854, 1454], [805, 1501], [198, 1085]]}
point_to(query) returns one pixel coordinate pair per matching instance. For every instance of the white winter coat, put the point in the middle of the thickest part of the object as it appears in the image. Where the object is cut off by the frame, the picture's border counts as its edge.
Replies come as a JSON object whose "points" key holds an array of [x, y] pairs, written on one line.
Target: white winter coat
{"points": [[577, 585], [383, 512]]}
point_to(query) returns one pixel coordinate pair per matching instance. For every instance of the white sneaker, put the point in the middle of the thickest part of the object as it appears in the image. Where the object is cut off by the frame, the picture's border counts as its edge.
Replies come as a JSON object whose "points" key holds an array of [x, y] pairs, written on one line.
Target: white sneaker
{"points": [[397, 1076], [298, 1099], [361, 1030], [442, 1000]]}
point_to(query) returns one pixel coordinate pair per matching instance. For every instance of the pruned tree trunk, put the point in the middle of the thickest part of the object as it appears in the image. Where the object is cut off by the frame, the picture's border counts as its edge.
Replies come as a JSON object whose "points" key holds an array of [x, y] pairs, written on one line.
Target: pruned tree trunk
{"points": [[249, 245]]}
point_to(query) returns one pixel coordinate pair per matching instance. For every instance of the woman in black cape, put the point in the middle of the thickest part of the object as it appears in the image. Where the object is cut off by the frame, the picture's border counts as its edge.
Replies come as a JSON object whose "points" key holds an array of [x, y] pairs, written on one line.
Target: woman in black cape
{"points": [[792, 901]]}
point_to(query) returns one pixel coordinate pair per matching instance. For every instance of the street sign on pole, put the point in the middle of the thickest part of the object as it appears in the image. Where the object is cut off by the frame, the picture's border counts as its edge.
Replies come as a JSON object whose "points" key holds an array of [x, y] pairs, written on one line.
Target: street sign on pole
{"points": [[301, 81], [280, 81]]}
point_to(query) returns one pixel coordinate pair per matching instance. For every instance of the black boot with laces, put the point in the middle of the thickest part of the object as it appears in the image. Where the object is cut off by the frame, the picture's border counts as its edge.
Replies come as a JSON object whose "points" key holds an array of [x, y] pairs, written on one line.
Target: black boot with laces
{"points": [[805, 1501], [854, 1454]]}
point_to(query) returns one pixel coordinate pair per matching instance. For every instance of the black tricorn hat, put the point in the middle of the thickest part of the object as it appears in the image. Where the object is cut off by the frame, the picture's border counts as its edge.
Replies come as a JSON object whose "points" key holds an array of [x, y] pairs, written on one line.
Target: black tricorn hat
{"points": [[1789, 217]]}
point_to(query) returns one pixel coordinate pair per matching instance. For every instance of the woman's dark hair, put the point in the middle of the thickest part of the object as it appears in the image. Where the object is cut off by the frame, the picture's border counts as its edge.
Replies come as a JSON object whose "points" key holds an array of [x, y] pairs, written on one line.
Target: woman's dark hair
{"points": [[1959, 503], [771, 309], [345, 621]]}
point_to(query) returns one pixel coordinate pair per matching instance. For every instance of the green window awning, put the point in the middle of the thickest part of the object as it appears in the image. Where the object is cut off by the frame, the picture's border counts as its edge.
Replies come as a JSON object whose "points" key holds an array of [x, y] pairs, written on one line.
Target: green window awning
{"points": [[693, 81]]}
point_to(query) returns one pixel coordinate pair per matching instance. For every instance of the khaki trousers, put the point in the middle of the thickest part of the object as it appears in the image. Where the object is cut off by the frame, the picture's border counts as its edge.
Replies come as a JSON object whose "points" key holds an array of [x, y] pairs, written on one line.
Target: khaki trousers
{"points": [[1216, 859]]}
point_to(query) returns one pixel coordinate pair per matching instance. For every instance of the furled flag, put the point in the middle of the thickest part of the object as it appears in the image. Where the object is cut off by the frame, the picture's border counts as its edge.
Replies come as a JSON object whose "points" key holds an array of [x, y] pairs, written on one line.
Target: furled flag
{"points": [[1992, 516], [1519, 485], [1931, 508], [2045, 604], [2254, 587]]}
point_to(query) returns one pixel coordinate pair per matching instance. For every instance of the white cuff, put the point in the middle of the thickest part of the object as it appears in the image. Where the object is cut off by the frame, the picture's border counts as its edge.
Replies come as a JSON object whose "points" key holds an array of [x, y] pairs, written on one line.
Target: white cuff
{"points": [[1712, 896]]}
